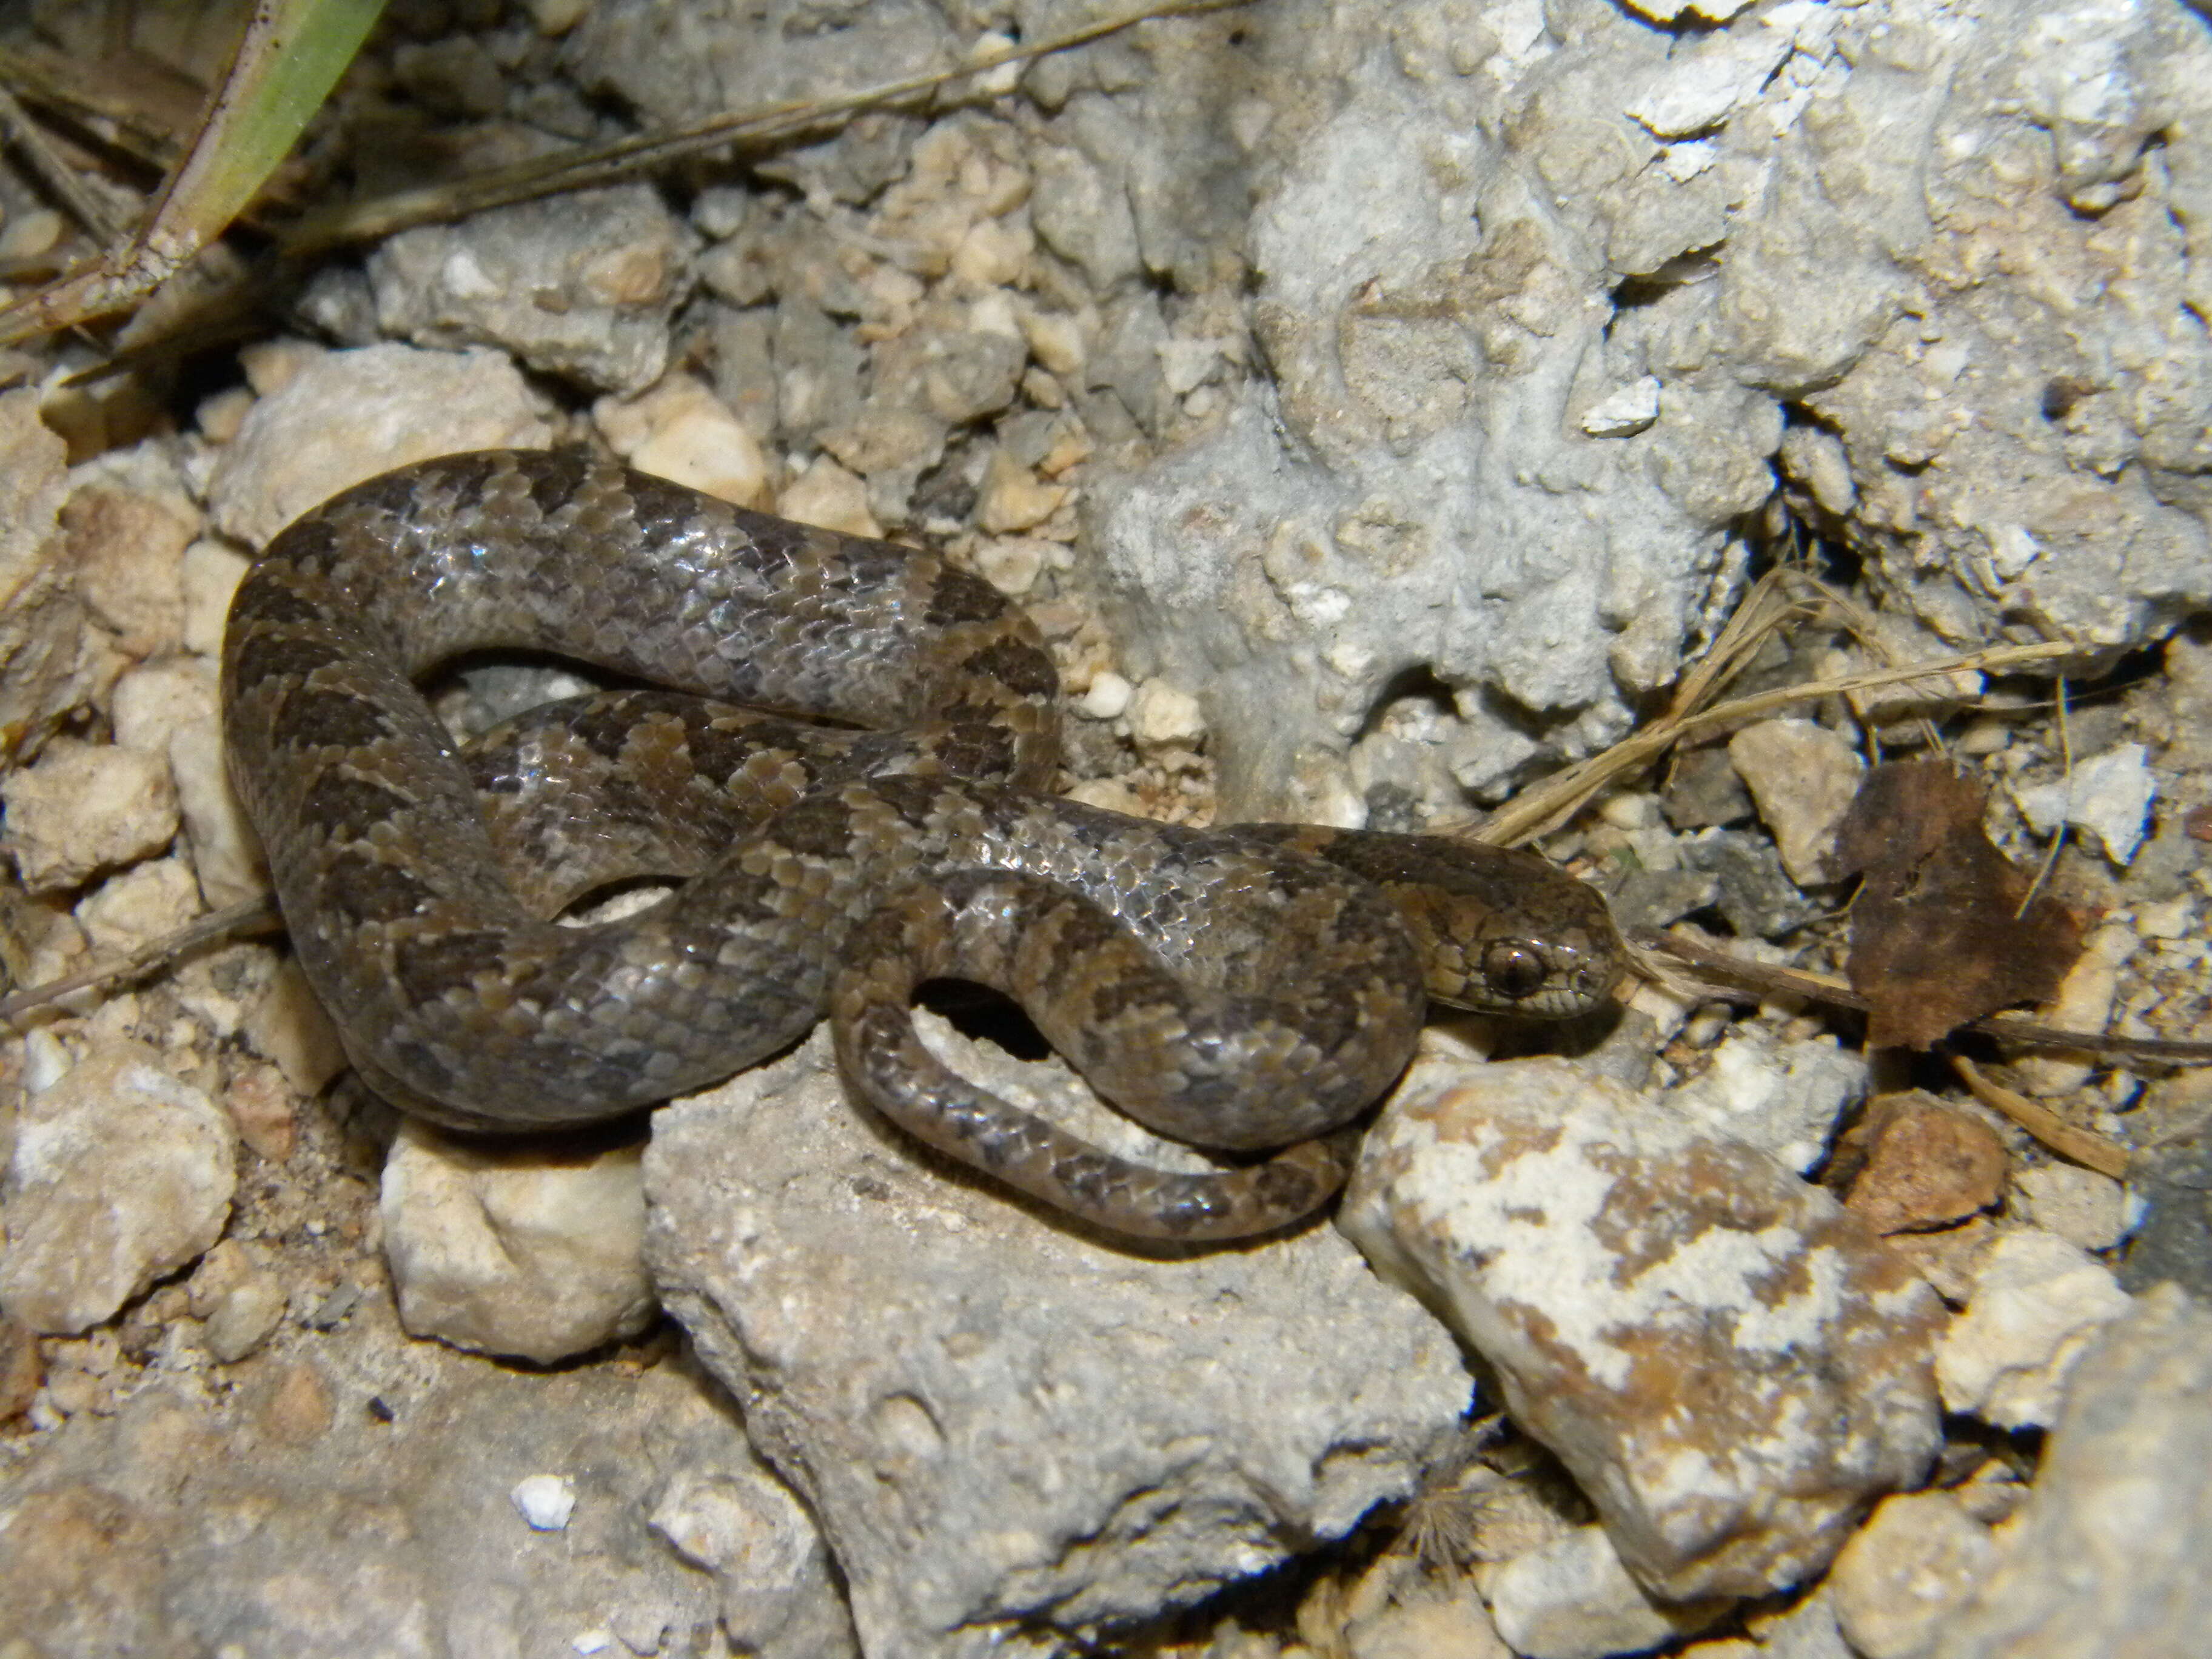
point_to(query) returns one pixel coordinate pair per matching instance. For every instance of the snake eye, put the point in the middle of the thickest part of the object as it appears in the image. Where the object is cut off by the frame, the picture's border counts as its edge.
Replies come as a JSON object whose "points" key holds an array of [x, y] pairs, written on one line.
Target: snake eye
{"points": [[1513, 969]]}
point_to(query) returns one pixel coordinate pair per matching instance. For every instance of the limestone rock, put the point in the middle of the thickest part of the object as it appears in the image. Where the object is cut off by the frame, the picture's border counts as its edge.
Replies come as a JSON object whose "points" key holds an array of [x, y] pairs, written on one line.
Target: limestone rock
{"points": [[581, 286], [1606, 1258], [84, 808], [1803, 777], [2037, 1302], [120, 1174], [46, 666], [515, 1250], [1572, 1599], [1024, 1424], [346, 416], [2108, 1555], [1918, 1559]]}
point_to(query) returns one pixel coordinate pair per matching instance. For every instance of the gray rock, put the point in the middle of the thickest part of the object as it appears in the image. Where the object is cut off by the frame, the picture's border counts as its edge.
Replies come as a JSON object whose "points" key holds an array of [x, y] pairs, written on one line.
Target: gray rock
{"points": [[1784, 1098], [1466, 335], [1000, 1421], [44, 668], [1601, 1253], [1757, 897], [1803, 777], [582, 286], [2170, 1175], [120, 1173], [2108, 1555], [351, 1494]]}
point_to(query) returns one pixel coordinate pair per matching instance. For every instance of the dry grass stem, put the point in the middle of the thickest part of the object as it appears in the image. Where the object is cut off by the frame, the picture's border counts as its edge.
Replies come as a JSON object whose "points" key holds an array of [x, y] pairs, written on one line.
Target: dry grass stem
{"points": [[2068, 1140], [253, 916]]}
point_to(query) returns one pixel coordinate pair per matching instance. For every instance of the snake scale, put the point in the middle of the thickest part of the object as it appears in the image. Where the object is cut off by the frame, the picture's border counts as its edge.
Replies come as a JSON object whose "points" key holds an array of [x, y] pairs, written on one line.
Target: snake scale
{"points": [[1241, 988]]}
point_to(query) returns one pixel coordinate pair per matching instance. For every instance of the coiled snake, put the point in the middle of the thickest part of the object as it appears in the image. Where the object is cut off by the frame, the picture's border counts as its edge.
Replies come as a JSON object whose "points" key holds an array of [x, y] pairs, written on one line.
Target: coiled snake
{"points": [[1240, 989]]}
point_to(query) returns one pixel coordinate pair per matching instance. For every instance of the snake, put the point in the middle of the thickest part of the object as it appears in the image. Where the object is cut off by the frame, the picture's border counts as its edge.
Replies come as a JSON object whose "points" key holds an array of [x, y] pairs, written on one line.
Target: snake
{"points": [[841, 750]]}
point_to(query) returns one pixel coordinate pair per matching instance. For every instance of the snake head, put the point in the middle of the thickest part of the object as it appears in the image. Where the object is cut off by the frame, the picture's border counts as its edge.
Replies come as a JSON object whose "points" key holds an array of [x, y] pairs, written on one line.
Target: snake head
{"points": [[1503, 932]]}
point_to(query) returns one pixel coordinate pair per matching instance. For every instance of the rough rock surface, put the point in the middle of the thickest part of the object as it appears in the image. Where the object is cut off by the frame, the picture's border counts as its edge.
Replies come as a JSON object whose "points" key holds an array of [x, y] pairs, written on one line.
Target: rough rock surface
{"points": [[344, 416], [999, 1421], [1616, 1266], [1572, 1599], [47, 663], [200, 1515], [2036, 1305], [1545, 302], [515, 1250], [121, 1172], [2108, 1556], [582, 287]]}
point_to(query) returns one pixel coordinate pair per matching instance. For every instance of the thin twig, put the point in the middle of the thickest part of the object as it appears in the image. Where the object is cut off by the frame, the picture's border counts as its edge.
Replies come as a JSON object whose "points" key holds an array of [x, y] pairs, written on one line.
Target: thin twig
{"points": [[253, 916], [58, 176], [624, 158], [2084, 1146], [2066, 817], [1837, 993], [1559, 797]]}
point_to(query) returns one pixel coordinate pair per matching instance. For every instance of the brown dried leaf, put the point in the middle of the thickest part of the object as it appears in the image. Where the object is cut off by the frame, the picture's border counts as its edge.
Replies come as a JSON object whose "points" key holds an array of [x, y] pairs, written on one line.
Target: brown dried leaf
{"points": [[1937, 934]]}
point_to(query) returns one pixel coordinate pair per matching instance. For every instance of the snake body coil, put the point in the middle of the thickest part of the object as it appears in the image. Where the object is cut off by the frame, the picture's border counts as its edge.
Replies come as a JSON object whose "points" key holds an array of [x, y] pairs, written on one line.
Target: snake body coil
{"points": [[1240, 988]]}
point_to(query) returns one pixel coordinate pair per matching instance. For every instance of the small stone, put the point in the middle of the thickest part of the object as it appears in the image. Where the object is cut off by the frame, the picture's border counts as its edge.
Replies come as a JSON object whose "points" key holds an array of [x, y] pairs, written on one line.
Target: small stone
{"points": [[208, 578], [1011, 564], [544, 1501], [2107, 1555], [1625, 413], [779, 1598], [83, 808], [2085, 1209], [1597, 1250], [265, 1108], [1948, 1258], [2108, 797], [347, 416], [127, 912], [1109, 794], [583, 287], [120, 1174], [828, 496], [1012, 499], [1927, 1165], [126, 547], [1161, 715], [1803, 777], [240, 1299], [1058, 339], [2037, 1303], [1784, 1098], [514, 1252], [2084, 1003], [1108, 697], [1412, 1625], [1572, 1599], [225, 853], [681, 431], [1757, 898], [288, 1026], [154, 699], [1917, 1560]]}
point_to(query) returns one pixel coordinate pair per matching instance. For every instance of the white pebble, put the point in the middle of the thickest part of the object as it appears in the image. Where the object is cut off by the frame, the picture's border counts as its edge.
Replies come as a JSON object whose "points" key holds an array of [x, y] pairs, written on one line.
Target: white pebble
{"points": [[1162, 714], [545, 1502], [1108, 697]]}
